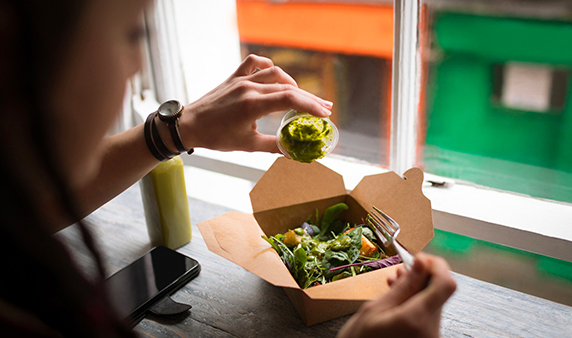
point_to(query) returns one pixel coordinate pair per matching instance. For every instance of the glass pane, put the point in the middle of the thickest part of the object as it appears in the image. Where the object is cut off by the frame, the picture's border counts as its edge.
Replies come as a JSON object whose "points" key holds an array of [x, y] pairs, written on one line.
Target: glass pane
{"points": [[524, 271], [496, 92], [340, 51], [208, 43]]}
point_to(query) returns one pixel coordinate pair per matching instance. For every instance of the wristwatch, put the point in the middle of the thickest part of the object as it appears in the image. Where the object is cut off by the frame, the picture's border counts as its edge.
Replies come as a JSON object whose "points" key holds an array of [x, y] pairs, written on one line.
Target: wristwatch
{"points": [[169, 112]]}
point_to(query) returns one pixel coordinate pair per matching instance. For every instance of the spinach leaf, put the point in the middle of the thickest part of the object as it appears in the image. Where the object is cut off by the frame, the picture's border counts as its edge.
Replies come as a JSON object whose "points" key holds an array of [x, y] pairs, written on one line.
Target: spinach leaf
{"points": [[353, 252], [299, 269], [337, 257], [331, 260], [337, 227], [341, 275], [301, 258], [368, 234], [326, 267], [355, 235], [330, 215]]}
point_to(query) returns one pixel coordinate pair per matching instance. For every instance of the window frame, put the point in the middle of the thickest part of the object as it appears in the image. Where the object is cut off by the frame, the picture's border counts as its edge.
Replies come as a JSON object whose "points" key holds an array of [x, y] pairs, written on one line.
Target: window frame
{"points": [[463, 208]]}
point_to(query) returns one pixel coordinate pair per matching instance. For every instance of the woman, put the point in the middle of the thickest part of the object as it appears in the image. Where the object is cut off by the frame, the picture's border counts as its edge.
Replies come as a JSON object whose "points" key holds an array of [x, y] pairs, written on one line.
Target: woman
{"points": [[63, 69]]}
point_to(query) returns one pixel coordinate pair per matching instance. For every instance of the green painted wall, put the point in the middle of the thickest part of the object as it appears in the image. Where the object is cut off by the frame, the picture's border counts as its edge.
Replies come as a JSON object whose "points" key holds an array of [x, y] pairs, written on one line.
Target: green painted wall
{"points": [[504, 39], [469, 136]]}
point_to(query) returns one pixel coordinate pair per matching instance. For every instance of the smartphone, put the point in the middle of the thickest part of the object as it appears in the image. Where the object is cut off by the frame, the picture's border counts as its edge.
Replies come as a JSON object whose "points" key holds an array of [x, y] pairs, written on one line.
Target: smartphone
{"points": [[157, 274]]}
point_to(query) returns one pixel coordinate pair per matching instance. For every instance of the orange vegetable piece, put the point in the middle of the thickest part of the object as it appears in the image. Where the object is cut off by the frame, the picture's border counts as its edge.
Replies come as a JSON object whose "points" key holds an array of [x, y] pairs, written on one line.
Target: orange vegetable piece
{"points": [[367, 247], [291, 238]]}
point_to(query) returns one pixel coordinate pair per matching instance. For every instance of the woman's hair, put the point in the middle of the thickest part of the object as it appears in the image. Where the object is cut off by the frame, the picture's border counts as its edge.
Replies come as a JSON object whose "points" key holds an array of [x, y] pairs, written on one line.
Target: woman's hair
{"points": [[38, 274]]}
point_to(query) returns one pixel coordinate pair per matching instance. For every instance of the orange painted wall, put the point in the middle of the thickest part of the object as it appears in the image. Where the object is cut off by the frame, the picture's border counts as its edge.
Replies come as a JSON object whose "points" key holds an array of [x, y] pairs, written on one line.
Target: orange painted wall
{"points": [[357, 29]]}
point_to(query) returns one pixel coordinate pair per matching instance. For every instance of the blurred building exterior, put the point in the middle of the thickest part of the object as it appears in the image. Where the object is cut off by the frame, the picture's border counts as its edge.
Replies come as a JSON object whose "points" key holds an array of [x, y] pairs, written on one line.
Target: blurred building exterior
{"points": [[496, 82], [495, 103]]}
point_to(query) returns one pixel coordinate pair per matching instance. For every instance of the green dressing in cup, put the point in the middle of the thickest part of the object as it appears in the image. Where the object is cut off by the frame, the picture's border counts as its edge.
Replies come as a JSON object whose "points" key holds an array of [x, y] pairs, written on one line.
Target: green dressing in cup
{"points": [[305, 138]]}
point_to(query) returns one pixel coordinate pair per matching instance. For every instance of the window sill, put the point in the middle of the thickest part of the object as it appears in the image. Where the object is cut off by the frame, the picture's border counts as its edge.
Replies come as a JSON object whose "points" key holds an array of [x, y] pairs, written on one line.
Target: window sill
{"points": [[518, 221]]}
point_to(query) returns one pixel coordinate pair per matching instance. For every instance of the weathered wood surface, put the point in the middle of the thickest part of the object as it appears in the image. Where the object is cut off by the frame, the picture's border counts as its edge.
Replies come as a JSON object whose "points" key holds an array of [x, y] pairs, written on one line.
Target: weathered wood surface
{"points": [[230, 301]]}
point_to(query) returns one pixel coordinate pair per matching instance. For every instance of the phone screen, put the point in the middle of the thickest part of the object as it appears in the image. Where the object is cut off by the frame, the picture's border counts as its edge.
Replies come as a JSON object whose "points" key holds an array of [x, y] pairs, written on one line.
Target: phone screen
{"points": [[136, 287]]}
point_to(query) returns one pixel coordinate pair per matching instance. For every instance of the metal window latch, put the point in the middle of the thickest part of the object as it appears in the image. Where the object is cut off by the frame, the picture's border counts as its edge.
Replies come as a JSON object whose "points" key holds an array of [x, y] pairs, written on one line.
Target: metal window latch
{"points": [[439, 184]]}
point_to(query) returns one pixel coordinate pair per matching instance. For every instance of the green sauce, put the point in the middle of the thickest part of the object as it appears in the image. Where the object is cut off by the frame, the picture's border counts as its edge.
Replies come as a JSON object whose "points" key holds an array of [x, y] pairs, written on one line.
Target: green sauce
{"points": [[304, 137]]}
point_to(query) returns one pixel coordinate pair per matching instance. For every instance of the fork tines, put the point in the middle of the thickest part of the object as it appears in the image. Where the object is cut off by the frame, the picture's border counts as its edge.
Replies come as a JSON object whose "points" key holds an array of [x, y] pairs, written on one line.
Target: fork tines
{"points": [[391, 225], [386, 227], [380, 231], [389, 229]]}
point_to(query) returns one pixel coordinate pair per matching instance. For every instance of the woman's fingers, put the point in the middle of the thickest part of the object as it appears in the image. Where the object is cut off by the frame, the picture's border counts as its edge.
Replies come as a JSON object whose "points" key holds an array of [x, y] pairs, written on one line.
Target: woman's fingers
{"points": [[262, 142], [273, 88], [279, 91], [288, 99], [441, 286], [399, 272], [405, 286], [251, 63], [428, 285], [271, 75]]}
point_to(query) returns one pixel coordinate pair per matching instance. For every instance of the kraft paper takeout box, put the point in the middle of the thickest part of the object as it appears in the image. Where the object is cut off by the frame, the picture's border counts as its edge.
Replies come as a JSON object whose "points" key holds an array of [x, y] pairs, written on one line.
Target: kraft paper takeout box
{"points": [[286, 195]]}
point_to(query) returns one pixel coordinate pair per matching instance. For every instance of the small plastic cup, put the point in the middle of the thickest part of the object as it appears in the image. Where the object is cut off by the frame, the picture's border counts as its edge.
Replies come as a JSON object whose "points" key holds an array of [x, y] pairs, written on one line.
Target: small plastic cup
{"points": [[304, 137]]}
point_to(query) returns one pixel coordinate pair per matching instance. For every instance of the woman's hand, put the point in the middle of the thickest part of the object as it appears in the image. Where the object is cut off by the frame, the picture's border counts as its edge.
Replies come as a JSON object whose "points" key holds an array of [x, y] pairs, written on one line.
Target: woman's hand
{"points": [[225, 118], [412, 308]]}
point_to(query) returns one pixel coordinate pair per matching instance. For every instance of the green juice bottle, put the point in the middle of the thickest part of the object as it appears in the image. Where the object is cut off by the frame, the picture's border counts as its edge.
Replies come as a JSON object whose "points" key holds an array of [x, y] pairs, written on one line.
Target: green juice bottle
{"points": [[166, 206]]}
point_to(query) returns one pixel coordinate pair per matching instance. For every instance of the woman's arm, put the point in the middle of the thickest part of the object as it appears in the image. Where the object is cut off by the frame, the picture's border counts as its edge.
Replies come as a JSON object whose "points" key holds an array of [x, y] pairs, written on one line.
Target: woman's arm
{"points": [[125, 159], [224, 119]]}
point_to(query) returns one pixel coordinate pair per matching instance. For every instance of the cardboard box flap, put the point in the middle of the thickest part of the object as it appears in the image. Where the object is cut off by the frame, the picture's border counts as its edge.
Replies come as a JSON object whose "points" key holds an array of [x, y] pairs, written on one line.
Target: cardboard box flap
{"points": [[237, 237], [289, 182], [403, 200]]}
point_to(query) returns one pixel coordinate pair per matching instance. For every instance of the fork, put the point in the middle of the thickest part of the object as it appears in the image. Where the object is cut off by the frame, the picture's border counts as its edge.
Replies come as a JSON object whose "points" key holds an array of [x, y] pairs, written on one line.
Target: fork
{"points": [[387, 229]]}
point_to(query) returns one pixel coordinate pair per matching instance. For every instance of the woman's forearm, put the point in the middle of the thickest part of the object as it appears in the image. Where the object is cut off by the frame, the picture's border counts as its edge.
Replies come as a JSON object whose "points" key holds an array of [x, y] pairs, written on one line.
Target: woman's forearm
{"points": [[125, 159]]}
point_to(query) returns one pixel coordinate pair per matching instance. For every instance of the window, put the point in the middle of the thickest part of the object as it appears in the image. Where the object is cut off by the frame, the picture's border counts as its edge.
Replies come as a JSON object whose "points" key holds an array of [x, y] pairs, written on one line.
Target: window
{"points": [[481, 103], [497, 111], [530, 87], [328, 49]]}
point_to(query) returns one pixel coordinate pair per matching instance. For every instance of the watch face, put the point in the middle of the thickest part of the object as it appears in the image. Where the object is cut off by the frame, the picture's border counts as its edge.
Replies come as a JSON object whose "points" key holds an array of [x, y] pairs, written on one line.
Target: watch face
{"points": [[170, 110]]}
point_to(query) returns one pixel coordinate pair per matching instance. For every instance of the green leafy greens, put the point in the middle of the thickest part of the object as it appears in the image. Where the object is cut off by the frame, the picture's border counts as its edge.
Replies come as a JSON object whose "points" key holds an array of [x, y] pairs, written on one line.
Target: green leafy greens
{"points": [[311, 251]]}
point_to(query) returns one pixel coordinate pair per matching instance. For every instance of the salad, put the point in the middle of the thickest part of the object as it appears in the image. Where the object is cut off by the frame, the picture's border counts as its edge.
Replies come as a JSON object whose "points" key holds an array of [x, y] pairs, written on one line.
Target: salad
{"points": [[327, 249]]}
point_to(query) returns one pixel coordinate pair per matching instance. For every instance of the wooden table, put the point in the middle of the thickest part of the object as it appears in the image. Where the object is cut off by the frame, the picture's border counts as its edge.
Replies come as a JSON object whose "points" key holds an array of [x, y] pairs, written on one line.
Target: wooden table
{"points": [[229, 301]]}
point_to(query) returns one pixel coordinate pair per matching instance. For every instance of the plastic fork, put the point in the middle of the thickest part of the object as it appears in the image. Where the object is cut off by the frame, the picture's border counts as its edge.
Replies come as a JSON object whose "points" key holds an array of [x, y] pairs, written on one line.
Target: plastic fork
{"points": [[386, 229]]}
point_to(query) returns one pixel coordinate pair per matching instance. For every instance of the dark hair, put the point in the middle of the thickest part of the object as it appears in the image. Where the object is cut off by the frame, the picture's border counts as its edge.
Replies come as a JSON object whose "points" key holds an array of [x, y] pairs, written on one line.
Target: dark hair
{"points": [[38, 274]]}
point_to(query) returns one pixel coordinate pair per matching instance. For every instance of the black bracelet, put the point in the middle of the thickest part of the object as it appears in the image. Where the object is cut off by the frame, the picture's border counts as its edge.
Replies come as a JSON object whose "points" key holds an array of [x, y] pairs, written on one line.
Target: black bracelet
{"points": [[158, 141], [176, 136], [149, 138]]}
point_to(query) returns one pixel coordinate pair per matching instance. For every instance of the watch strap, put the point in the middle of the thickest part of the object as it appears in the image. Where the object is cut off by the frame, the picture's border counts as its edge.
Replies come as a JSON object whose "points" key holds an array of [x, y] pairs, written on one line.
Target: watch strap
{"points": [[161, 147], [148, 133], [174, 130]]}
